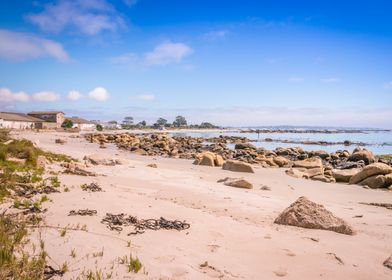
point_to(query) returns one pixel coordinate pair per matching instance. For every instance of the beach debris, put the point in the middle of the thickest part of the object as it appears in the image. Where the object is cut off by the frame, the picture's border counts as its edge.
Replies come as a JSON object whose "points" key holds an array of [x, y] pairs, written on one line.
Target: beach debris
{"points": [[118, 221], [265, 188], [82, 212], [50, 272], [152, 165], [100, 159], [60, 141], [237, 166], [307, 214], [388, 262], [92, 187], [377, 204], [75, 168], [28, 191], [236, 182], [337, 258]]}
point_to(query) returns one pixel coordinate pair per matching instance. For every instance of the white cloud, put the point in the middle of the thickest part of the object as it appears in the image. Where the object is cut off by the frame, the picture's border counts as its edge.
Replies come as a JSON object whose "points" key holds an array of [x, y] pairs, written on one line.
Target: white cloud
{"points": [[22, 46], [127, 58], [388, 85], [330, 80], [7, 96], [146, 97], [99, 94], [130, 3], [295, 79], [167, 53], [74, 95], [45, 96], [90, 17], [215, 35]]}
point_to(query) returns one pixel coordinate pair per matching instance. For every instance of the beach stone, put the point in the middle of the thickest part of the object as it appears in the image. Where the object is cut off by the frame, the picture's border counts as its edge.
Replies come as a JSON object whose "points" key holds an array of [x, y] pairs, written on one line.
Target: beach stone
{"points": [[308, 163], [370, 170], [207, 158], [321, 154], [152, 165], [236, 182], [388, 262], [219, 160], [237, 166], [317, 171], [308, 214], [365, 155], [374, 182], [323, 178], [344, 175], [245, 146], [99, 159], [296, 173], [281, 161], [121, 161]]}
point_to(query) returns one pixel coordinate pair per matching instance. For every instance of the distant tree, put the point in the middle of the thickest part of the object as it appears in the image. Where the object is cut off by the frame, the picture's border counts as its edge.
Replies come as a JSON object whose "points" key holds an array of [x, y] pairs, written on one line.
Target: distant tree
{"points": [[142, 124], [207, 125], [67, 123], [99, 127], [112, 122], [128, 121], [180, 121], [160, 122]]}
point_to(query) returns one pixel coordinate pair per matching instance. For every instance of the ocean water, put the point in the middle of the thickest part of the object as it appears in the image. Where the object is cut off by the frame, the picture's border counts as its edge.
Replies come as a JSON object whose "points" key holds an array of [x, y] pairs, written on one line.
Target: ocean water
{"points": [[380, 142]]}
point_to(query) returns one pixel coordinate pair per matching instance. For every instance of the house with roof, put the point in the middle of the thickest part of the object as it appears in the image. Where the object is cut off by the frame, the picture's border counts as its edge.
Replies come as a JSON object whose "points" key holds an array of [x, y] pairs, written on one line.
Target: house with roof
{"points": [[52, 119], [19, 121], [81, 123]]}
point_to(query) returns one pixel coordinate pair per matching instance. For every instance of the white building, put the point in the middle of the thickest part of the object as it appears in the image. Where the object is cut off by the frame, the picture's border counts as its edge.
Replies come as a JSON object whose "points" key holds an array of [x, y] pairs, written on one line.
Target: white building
{"points": [[19, 121], [82, 124]]}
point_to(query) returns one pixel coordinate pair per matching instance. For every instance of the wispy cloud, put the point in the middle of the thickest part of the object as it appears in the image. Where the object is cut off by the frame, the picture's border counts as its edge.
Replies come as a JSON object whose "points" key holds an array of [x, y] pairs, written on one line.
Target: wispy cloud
{"points": [[89, 17], [167, 53], [296, 79], [45, 96], [330, 80], [99, 94], [130, 3], [146, 97], [388, 85], [74, 95], [7, 96], [215, 35], [23, 46]]}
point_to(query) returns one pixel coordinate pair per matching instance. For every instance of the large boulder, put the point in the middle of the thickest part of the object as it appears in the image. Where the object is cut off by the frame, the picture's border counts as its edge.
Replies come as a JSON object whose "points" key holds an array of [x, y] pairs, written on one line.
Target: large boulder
{"points": [[308, 163], [245, 146], [281, 161], [365, 155], [370, 170], [99, 159], [209, 159], [237, 166], [307, 214], [236, 182], [344, 175], [374, 182]]}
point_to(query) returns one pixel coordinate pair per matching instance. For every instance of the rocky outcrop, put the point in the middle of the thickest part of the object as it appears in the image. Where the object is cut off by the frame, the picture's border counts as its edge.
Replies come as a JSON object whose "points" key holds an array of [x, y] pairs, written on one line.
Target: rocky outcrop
{"points": [[209, 159], [365, 155], [309, 163], [307, 214], [236, 182], [370, 170], [237, 166], [344, 175]]}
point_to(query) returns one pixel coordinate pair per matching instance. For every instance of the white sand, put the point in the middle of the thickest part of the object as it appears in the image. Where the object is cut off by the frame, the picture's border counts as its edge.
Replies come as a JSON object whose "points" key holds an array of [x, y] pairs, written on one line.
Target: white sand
{"points": [[231, 228]]}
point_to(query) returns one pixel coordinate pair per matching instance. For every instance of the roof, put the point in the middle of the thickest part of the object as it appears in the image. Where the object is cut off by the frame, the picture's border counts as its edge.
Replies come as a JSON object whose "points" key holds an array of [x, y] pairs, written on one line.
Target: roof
{"points": [[19, 117], [79, 120], [45, 113]]}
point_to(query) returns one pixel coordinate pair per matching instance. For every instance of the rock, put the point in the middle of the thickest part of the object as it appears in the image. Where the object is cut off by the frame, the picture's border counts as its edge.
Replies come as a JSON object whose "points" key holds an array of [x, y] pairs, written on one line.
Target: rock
{"points": [[219, 161], [344, 175], [307, 214], [121, 161], [236, 182], [365, 155], [76, 169], [317, 171], [388, 262], [60, 141], [370, 170], [41, 162], [99, 159], [152, 165], [237, 166], [374, 182], [321, 154], [296, 173], [323, 178], [244, 146], [281, 161], [308, 163], [206, 158]]}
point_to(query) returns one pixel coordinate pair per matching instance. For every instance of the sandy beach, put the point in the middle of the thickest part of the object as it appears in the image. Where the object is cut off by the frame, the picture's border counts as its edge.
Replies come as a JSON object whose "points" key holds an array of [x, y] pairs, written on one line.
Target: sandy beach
{"points": [[231, 229]]}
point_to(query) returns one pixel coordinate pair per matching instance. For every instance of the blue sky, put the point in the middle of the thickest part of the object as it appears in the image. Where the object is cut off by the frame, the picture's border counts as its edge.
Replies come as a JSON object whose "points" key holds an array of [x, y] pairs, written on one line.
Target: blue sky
{"points": [[227, 62]]}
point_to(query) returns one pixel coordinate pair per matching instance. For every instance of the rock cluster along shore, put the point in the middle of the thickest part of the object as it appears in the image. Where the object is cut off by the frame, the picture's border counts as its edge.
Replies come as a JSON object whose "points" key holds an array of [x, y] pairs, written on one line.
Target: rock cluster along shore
{"points": [[340, 166]]}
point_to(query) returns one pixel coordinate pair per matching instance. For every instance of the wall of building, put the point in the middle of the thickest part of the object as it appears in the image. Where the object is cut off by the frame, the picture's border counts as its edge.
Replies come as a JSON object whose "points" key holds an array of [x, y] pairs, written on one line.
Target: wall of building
{"points": [[50, 125], [16, 124]]}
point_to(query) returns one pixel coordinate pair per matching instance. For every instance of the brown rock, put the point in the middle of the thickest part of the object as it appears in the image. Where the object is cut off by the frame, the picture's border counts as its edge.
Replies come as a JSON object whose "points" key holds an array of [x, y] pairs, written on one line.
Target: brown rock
{"points": [[308, 163], [236, 182], [388, 262], [296, 173], [370, 170], [219, 161], [365, 155], [281, 161], [99, 159], [237, 166], [344, 175], [374, 182], [323, 178], [307, 214], [152, 165]]}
